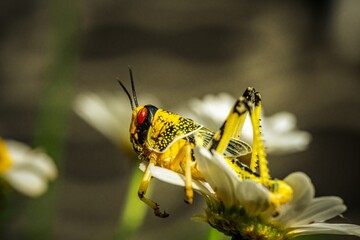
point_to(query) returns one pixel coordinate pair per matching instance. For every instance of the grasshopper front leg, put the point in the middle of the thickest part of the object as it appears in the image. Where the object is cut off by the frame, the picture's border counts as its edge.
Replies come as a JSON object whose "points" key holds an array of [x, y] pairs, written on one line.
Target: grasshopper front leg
{"points": [[185, 159], [144, 186]]}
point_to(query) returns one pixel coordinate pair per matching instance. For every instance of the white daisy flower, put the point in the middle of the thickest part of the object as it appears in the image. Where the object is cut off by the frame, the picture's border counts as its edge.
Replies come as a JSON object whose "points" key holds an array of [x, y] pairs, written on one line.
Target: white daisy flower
{"points": [[26, 170], [242, 209], [280, 133], [109, 113]]}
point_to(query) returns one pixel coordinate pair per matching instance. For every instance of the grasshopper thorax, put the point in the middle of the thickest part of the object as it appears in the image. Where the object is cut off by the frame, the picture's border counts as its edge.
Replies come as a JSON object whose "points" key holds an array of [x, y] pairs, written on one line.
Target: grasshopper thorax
{"points": [[142, 118]]}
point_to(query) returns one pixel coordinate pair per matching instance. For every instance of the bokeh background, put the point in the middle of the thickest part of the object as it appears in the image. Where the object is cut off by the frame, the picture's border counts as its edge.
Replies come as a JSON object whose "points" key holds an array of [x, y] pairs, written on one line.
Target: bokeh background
{"points": [[303, 56]]}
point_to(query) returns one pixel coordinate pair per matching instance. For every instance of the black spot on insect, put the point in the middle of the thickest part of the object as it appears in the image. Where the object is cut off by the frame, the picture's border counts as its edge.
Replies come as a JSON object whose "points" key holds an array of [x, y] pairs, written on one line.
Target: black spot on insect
{"points": [[192, 155], [245, 167], [172, 130]]}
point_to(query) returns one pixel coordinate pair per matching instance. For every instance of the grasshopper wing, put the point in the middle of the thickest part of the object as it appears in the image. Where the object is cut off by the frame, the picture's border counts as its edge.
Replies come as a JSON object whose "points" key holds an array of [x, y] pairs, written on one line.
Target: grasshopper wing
{"points": [[235, 149]]}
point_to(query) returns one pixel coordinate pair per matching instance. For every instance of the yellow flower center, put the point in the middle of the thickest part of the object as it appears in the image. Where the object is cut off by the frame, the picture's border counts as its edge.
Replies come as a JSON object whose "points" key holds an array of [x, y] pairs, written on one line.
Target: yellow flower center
{"points": [[233, 221], [5, 160]]}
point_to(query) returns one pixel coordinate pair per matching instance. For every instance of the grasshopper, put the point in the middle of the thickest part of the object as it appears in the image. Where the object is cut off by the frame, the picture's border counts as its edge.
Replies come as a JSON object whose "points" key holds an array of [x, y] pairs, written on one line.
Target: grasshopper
{"points": [[166, 139]]}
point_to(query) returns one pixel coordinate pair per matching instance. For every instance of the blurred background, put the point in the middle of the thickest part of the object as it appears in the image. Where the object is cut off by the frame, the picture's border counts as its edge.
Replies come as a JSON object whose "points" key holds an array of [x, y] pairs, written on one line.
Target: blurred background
{"points": [[303, 56]]}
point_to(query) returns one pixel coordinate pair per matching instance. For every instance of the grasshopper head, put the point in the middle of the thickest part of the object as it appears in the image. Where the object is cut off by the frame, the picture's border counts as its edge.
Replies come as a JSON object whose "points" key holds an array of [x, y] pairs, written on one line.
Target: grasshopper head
{"points": [[142, 118]]}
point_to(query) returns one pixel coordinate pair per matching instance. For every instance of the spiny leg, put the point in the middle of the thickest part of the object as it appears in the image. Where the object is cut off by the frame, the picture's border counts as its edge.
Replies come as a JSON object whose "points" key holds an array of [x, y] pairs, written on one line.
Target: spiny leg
{"points": [[258, 157], [143, 188], [281, 192], [249, 102], [233, 124]]}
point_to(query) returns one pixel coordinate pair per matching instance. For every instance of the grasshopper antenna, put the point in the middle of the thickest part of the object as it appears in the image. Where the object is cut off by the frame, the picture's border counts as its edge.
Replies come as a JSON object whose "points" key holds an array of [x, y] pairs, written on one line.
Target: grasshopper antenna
{"points": [[133, 87], [128, 94]]}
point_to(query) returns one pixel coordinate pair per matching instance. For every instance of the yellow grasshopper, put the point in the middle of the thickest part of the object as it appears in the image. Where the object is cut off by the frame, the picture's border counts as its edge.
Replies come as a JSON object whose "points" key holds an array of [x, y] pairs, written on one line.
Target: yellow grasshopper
{"points": [[166, 139]]}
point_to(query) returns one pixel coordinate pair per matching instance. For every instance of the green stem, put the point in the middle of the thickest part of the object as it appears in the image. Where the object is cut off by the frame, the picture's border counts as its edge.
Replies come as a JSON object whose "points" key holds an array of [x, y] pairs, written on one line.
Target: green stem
{"points": [[54, 110], [134, 210], [215, 234]]}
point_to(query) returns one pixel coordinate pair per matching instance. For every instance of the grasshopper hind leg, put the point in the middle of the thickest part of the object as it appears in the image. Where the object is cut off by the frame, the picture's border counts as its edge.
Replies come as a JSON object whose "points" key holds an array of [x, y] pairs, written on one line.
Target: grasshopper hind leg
{"points": [[248, 103]]}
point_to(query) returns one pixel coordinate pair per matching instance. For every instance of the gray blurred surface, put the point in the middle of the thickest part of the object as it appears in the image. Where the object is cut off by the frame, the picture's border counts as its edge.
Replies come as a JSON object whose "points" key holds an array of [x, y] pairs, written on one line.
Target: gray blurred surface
{"points": [[302, 56]]}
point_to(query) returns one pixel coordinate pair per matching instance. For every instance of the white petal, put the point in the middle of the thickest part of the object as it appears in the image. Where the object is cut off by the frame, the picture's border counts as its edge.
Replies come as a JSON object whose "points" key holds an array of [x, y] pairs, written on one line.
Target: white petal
{"points": [[281, 122], [218, 174], [210, 111], [254, 197], [281, 136], [109, 113], [43, 164], [303, 193], [18, 151], [174, 178], [167, 176], [327, 228], [279, 130], [26, 182], [321, 209], [214, 107], [32, 159], [95, 110], [285, 143], [142, 166]]}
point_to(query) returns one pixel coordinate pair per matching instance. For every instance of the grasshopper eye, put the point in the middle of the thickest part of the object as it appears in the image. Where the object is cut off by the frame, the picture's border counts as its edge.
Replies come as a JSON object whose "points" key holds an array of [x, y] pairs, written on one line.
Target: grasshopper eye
{"points": [[141, 116]]}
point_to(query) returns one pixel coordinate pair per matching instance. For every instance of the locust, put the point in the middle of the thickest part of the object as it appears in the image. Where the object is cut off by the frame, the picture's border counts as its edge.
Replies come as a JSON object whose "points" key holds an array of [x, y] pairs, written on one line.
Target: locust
{"points": [[166, 139]]}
